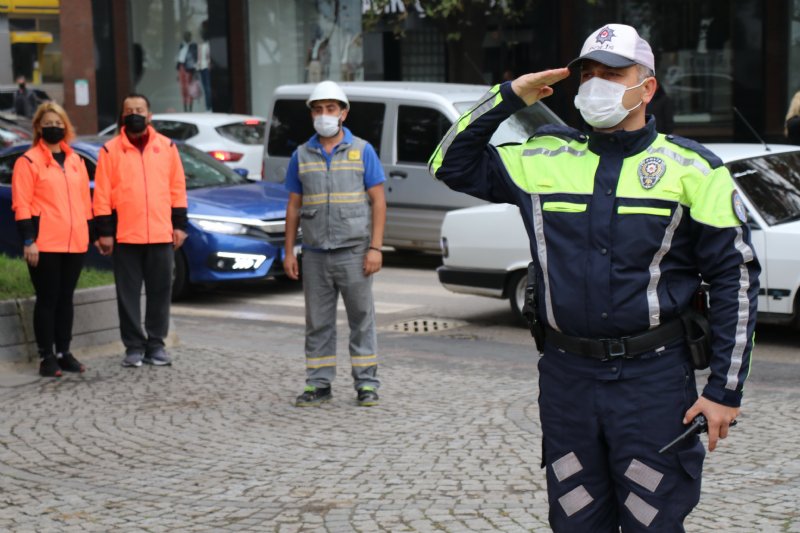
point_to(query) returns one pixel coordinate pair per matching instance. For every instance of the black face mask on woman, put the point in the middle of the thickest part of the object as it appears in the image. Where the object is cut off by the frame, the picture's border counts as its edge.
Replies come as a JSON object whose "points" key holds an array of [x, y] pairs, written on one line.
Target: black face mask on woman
{"points": [[135, 123], [52, 134]]}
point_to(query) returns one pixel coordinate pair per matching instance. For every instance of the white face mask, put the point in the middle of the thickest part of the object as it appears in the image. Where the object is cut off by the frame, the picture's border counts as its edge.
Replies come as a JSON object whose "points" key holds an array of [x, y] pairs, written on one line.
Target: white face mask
{"points": [[327, 125], [600, 102]]}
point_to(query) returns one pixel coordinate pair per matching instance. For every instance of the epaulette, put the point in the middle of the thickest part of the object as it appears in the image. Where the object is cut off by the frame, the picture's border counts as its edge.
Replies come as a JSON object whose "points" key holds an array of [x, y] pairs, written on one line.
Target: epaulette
{"points": [[562, 131], [699, 149], [28, 158], [105, 148]]}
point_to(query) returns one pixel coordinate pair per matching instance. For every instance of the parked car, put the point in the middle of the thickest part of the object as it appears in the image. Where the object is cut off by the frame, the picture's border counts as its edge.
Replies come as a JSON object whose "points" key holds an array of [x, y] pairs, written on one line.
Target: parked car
{"points": [[14, 129], [236, 227], [236, 140], [486, 249], [404, 121], [7, 97]]}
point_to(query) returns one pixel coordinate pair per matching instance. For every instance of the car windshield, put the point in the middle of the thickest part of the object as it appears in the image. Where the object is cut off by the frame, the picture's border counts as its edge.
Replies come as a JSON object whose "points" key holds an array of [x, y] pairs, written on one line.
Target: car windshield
{"points": [[772, 183], [202, 170], [520, 126]]}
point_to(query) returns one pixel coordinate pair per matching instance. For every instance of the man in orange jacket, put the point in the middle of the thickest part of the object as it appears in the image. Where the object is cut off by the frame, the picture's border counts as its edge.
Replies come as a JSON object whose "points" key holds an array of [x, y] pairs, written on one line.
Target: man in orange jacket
{"points": [[140, 213]]}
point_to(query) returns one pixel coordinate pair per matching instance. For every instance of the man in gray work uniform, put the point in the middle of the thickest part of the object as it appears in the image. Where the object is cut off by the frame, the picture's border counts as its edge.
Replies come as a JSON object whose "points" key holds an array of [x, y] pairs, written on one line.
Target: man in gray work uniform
{"points": [[336, 196]]}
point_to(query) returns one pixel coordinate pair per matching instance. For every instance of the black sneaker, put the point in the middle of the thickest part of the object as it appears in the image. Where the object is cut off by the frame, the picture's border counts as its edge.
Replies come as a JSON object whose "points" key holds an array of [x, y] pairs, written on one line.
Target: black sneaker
{"points": [[313, 396], [48, 367], [68, 363], [368, 396]]}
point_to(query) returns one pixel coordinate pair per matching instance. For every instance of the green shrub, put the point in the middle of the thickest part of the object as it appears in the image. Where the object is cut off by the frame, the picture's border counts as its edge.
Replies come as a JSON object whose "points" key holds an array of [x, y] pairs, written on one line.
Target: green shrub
{"points": [[15, 281]]}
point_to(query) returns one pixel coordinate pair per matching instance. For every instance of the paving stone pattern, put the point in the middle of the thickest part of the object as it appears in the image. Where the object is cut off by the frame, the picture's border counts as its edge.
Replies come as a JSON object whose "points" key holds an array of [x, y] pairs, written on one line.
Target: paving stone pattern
{"points": [[215, 444]]}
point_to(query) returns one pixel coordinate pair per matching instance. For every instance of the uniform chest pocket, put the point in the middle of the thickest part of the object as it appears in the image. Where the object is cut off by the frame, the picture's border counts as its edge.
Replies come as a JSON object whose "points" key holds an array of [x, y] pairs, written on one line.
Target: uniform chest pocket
{"points": [[642, 210], [564, 207], [353, 211], [308, 213]]}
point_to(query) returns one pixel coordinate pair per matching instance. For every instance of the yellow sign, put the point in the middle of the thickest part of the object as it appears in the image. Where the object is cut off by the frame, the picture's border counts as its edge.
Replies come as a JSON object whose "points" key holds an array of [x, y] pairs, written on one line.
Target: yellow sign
{"points": [[30, 7], [31, 37]]}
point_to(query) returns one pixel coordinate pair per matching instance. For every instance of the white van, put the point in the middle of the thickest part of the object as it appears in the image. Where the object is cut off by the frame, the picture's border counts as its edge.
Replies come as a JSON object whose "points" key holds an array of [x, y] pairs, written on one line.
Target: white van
{"points": [[404, 121]]}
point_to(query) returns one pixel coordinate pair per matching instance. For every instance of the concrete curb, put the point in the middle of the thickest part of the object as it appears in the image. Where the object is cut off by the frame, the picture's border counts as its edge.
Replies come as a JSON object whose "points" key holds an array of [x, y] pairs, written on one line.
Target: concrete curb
{"points": [[95, 328]]}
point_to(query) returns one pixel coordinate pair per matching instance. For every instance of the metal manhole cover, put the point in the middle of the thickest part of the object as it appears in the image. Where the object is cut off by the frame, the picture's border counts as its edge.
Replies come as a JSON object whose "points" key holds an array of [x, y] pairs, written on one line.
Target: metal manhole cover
{"points": [[418, 326]]}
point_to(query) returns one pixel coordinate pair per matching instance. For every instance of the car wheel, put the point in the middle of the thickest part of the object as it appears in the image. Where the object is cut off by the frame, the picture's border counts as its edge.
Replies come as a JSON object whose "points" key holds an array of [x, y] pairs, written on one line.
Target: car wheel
{"points": [[516, 294], [180, 277]]}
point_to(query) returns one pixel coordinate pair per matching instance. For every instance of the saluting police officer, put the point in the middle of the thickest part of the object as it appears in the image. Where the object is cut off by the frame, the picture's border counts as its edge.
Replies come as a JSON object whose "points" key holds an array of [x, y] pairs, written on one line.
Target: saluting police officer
{"points": [[623, 222]]}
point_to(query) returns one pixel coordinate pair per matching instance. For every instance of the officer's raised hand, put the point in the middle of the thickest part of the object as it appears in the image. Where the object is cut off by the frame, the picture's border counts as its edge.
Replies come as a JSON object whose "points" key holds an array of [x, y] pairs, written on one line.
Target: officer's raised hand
{"points": [[537, 85]]}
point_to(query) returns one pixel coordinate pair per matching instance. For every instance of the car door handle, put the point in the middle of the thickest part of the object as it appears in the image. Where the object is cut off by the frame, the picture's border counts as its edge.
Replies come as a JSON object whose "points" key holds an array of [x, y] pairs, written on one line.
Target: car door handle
{"points": [[398, 174]]}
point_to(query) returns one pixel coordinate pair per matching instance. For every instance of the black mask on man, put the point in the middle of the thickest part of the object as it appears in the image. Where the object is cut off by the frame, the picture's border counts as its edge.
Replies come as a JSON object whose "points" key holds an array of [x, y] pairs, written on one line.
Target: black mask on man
{"points": [[135, 123], [52, 134], [22, 86]]}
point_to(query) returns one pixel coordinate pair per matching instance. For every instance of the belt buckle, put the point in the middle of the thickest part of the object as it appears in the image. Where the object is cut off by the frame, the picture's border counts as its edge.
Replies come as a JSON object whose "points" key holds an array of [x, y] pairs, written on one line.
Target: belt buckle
{"points": [[615, 348]]}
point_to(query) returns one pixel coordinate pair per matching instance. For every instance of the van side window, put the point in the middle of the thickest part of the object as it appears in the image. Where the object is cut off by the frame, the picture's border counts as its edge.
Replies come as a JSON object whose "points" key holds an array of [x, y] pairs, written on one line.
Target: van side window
{"points": [[291, 125], [419, 130]]}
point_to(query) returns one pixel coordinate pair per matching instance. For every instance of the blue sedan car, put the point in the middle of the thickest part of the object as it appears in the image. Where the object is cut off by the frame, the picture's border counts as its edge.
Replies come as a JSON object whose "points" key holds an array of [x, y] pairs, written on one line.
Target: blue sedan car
{"points": [[236, 227]]}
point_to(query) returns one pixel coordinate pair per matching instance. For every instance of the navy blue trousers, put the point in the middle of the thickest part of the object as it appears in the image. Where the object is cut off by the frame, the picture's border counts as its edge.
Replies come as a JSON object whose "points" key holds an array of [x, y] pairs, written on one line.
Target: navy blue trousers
{"points": [[603, 424]]}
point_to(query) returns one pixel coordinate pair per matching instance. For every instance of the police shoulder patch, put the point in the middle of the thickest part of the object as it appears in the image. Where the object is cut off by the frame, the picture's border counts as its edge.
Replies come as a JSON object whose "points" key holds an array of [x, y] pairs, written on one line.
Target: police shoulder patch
{"points": [[650, 171], [354, 155], [738, 207], [710, 157]]}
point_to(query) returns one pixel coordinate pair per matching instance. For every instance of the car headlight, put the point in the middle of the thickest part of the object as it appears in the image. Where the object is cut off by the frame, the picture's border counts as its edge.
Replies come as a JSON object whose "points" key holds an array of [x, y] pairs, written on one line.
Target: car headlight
{"points": [[217, 226], [265, 229]]}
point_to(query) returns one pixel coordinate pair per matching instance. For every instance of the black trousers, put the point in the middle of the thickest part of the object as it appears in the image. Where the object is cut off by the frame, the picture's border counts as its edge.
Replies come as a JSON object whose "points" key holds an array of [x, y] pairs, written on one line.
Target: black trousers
{"points": [[150, 264], [54, 279]]}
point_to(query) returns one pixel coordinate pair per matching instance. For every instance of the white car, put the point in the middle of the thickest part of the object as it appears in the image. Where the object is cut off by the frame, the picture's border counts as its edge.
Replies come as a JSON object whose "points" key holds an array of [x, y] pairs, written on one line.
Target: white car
{"points": [[236, 140], [485, 249]]}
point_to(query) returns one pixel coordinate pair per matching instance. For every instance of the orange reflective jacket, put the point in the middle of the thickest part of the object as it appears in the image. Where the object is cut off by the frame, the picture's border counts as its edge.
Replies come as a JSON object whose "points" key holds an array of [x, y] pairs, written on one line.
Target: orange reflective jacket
{"points": [[56, 199], [141, 187]]}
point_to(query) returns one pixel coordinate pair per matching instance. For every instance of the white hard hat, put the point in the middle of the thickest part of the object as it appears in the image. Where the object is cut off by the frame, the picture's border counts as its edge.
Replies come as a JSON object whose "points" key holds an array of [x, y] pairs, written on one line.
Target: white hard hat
{"points": [[328, 90]]}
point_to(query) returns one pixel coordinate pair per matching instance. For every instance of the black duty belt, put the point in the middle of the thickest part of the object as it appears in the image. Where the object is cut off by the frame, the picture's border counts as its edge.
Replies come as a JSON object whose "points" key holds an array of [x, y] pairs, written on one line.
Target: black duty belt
{"points": [[628, 347]]}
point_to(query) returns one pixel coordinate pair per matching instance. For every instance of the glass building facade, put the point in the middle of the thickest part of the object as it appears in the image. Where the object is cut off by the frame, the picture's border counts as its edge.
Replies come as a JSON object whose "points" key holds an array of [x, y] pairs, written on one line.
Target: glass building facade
{"points": [[726, 65]]}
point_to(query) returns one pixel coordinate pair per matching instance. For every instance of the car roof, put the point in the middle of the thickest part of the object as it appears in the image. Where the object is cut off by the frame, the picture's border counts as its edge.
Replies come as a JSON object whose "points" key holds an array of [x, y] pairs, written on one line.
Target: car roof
{"points": [[211, 119], [450, 92], [729, 152]]}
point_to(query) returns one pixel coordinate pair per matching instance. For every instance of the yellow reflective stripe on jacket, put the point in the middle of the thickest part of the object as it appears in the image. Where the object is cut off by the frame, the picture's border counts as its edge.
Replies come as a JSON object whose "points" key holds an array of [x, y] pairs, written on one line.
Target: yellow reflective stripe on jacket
{"points": [[488, 102], [563, 207]]}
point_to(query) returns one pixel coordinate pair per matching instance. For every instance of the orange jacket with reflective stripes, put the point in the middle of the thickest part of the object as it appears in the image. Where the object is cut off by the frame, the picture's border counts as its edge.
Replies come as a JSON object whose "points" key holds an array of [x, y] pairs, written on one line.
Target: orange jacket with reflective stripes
{"points": [[53, 199], [143, 188]]}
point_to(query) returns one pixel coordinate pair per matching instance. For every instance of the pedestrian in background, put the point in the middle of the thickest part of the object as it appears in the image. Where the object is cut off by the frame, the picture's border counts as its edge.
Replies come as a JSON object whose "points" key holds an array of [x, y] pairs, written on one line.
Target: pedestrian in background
{"points": [[792, 127], [140, 209], [53, 210], [336, 197], [623, 223], [187, 67], [24, 99]]}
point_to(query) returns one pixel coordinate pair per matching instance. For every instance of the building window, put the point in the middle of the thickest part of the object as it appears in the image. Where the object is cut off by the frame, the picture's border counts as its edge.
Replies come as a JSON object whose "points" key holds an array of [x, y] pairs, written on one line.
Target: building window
{"points": [[171, 55]]}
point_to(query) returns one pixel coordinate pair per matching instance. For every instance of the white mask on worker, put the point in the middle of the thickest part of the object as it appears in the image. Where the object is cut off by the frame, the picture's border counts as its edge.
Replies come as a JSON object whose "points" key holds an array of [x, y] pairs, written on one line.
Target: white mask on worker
{"points": [[327, 125], [600, 102]]}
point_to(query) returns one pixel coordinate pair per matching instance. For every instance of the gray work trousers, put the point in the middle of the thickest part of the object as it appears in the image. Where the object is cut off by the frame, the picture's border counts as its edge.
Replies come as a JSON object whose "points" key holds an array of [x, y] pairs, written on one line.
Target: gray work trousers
{"points": [[150, 264], [325, 275]]}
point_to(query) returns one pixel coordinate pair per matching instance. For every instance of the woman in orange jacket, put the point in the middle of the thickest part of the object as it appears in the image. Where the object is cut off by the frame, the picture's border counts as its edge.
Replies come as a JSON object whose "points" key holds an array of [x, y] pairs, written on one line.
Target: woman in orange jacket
{"points": [[53, 210]]}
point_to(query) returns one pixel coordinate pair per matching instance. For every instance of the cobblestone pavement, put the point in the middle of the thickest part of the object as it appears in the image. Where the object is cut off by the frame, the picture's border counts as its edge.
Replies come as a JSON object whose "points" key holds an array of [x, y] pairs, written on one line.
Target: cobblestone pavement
{"points": [[215, 444]]}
